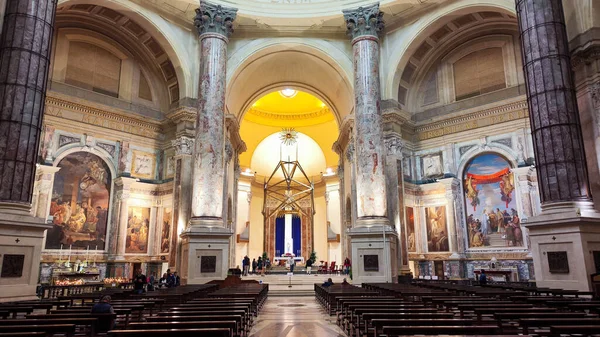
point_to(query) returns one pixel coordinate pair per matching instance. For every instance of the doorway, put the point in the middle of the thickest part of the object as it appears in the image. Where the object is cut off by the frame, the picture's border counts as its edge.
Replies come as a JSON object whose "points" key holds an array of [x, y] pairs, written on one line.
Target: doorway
{"points": [[438, 267]]}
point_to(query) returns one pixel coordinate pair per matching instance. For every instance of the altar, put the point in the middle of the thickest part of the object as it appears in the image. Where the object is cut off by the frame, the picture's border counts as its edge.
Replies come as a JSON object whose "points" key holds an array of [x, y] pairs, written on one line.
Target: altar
{"points": [[299, 260]]}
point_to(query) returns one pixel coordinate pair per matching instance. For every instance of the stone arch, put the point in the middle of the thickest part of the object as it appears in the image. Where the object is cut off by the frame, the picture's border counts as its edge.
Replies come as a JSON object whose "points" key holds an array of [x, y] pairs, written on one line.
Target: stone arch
{"points": [[411, 39], [147, 31], [265, 65]]}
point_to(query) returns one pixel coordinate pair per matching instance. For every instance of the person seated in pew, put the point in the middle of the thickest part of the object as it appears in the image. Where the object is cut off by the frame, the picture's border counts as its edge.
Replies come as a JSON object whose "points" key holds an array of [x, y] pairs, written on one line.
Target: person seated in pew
{"points": [[328, 283], [104, 307], [140, 282], [177, 279], [344, 282]]}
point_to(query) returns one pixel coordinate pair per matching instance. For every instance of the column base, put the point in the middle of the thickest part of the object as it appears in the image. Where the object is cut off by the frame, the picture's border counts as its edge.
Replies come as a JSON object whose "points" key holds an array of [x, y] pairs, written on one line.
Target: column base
{"points": [[373, 259], [205, 251], [565, 228], [21, 237]]}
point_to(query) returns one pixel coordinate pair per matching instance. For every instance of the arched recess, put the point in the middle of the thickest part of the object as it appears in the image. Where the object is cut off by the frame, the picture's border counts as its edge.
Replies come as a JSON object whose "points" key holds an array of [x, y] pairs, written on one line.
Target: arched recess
{"points": [[80, 203], [318, 67], [405, 43], [146, 35]]}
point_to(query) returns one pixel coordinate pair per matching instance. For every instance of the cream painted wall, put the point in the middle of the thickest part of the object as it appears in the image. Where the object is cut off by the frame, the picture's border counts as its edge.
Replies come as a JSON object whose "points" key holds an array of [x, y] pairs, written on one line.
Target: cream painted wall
{"points": [[334, 218], [320, 226], [243, 215], [324, 134], [257, 223]]}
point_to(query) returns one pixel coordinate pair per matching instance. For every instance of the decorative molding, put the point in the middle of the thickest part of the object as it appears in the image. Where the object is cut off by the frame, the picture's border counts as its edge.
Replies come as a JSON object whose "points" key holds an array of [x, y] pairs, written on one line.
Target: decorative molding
{"points": [[111, 149], [464, 149], [184, 146], [289, 116], [350, 150], [228, 151], [505, 113], [66, 140], [211, 18], [233, 127], [119, 121], [505, 141], [393, 145], [183, 114], [364, 21], [595, 90]]}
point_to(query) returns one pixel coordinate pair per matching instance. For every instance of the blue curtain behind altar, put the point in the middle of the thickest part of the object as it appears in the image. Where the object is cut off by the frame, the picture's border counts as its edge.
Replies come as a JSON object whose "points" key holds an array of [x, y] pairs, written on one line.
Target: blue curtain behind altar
{"points": [[296, 235], [279, 236]]}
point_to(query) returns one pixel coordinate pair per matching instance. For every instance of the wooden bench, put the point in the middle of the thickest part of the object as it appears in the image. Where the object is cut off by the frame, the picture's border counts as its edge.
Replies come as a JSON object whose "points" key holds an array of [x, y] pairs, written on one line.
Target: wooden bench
{"points": [[240, 328], [50, 329], [574, 330], [368, 317], [22, 334], [440, 330], [527, 323], [89, 323], [215, 332], [378, 324], [230, 325]]}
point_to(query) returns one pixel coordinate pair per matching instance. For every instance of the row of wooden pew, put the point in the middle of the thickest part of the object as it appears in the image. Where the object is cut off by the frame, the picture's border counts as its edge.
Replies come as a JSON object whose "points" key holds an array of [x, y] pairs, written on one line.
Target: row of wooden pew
{"points": [[408, 309], [198, 310]]}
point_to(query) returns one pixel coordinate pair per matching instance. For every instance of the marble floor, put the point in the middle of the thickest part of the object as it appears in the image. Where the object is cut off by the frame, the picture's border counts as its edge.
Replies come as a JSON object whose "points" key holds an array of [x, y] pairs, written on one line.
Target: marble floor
{"points": [[294, 317]]}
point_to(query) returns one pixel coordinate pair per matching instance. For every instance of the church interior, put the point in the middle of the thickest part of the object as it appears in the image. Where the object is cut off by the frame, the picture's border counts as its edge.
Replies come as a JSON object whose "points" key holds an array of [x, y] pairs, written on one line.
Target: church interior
{"points": [[230, 149]]}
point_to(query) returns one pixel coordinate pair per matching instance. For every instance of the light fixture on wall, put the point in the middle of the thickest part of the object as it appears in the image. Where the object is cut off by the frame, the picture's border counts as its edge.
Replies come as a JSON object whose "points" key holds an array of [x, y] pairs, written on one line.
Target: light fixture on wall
{"points": [[247, 172], [329, 172], [288, 92]]}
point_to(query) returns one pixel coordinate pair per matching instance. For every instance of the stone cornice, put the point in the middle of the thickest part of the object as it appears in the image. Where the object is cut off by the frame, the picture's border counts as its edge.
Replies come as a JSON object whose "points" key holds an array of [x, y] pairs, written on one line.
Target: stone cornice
{"points": [[478, 119], [123, 121], [345, 134], [232, 124], [182, 114], [289, 116]]}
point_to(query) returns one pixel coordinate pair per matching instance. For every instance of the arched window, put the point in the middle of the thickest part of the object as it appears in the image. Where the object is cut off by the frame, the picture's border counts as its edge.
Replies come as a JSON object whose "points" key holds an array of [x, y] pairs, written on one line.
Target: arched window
{"points": [[478, 73], [492, 217], [80, 201]]}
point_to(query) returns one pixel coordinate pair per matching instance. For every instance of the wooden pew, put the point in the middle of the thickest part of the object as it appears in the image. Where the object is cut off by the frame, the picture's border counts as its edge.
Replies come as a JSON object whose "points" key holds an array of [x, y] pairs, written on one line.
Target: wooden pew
{"points": [[50, 329], [391, 331], [368, 317], [586, 330], [528, 323], [239, 319], [230, 325], [216, 332], [22, 334], [89, 323], [378, 324], [102, 318]]}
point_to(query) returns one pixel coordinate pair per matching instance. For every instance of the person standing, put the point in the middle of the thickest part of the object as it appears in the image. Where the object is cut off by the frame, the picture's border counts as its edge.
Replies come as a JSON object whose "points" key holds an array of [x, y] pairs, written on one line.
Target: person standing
{"points": [[347, 266], [170, 279], [139, 282], [246, 265], [482, 278], [260, 266], [254, 264], [292, 264], [151, 281], [309, 264], [177, 279]]}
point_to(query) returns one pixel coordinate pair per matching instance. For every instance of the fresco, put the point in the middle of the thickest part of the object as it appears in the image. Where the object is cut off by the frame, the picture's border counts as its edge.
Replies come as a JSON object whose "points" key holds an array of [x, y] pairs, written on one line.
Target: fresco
{"points": [[138, 224], [437, 230], [79, 205], [492, 217], [410, 222], [166, 230]]}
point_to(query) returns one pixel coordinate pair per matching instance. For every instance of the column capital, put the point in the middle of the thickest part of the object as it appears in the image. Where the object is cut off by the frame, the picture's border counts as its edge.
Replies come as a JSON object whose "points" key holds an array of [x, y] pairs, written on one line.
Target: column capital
{"points": [[184, 146], [393, 145], [364, 21], [216, 19]]}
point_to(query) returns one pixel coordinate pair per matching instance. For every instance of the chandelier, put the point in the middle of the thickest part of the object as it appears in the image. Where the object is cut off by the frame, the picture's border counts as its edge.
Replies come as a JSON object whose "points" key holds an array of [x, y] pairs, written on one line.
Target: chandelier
{"points": [[295, 187]]}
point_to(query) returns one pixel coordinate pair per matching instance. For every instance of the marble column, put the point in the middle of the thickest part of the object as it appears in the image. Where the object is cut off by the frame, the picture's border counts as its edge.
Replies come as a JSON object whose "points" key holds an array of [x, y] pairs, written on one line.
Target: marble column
{"points": [[25, 45], [394, 177], [364, 25], [560, 161], [554, 117], [206, 242], [182, 195], [214, 24], [371, 234], [123, 184], [44, 183]]}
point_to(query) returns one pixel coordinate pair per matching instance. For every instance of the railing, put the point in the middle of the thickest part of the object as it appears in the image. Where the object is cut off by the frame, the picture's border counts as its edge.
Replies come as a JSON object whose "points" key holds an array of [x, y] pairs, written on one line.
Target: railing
{"points": [[48, 291]]}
